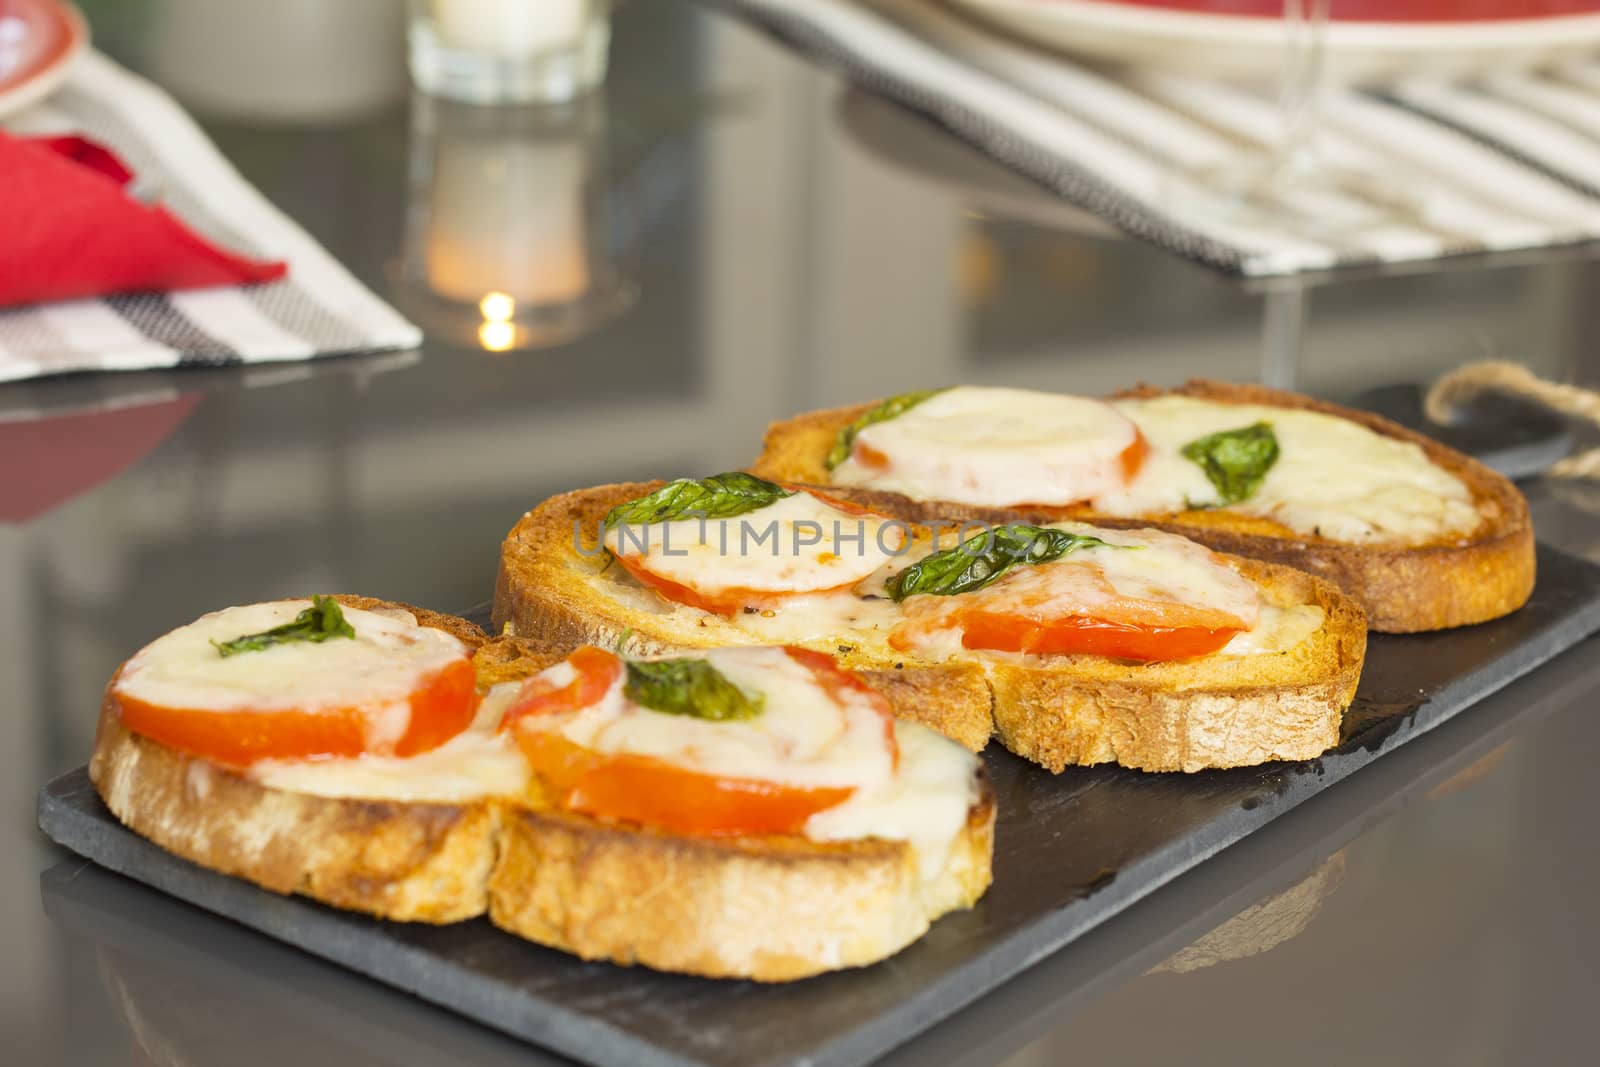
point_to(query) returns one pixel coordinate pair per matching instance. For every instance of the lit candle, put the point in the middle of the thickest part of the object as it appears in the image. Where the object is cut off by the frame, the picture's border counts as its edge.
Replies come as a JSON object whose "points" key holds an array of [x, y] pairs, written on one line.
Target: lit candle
{"points": [[509, 27]]}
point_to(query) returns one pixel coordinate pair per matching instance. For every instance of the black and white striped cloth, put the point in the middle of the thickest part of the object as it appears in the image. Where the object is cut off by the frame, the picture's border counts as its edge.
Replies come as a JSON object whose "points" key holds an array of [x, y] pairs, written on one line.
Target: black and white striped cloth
{"points": [[1425, 169], [318, 309]]}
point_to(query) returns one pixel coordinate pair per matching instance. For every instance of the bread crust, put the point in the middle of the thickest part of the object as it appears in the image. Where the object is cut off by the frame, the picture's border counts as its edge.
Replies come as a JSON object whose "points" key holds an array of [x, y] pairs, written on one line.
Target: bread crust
{"points": [[770, 909], [542, 874], [1402, 588], [1185, 715], [409, 861], [539, 592]]}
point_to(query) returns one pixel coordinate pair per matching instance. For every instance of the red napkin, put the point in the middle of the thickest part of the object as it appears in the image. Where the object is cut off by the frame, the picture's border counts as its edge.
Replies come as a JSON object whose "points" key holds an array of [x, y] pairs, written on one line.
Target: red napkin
{"points": [[72, 230], [46, 462]]}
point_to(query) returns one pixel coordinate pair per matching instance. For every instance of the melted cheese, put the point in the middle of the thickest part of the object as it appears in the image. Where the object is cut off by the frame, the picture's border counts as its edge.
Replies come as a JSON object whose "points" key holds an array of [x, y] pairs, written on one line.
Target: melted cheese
{"points": [[378, 669], [1164, 566], [802, 737], [477, 763], [796, 544], [925, 804], [1334, 478], [995, 448], [1278, 630], [1136, 576]]}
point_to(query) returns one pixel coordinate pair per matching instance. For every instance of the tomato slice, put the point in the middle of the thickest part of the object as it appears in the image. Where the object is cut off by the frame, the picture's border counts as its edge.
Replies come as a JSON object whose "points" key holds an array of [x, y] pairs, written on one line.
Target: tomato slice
{"points": [[868, 457], [597, 671], [838, 682], [729, 601], [655, 792], [652, 792], [441, 707], [1133, 456], [1080, 634]]}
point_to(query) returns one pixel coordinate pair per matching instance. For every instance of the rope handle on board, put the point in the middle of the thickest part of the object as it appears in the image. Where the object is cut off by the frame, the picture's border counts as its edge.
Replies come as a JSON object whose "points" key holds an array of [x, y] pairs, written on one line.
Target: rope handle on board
{"points": [[1464, 383]]}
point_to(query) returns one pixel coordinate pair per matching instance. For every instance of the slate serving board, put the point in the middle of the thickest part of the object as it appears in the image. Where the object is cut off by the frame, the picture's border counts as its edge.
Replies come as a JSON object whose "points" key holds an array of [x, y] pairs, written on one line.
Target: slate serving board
{"points": [[1071, 851]]}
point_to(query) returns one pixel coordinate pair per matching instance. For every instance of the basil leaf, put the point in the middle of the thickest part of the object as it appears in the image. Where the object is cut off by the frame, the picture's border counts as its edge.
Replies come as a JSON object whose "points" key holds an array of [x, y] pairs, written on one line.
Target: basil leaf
{"points": [[688, 687], [892, 408], [1235, 461], [316, 624], [981, 559], [720, 496]]}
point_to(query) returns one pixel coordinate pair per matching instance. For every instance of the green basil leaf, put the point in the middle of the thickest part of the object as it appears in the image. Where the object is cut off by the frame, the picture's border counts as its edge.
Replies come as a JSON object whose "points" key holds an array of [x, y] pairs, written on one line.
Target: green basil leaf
{"points": [[981, 559], [1235, 461], [316, 624], [688, 687], [892, 408], [720, 496]]}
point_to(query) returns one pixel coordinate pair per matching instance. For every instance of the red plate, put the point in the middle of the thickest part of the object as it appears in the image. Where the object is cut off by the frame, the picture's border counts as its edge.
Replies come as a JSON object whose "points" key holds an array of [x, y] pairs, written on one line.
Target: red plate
{"points": [[1385, 10], [39, 39], [1367, 39]]}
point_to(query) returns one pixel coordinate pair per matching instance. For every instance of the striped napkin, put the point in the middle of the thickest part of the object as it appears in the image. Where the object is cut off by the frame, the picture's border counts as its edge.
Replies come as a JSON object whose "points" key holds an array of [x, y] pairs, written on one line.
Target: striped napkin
{"points": [[1421, 169], [317, 310]]}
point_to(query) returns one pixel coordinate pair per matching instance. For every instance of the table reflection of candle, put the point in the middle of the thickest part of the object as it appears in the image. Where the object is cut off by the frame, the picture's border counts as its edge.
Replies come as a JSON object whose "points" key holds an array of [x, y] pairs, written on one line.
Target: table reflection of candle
{"points": [[516, 238], [508, 217], [509, 27]]}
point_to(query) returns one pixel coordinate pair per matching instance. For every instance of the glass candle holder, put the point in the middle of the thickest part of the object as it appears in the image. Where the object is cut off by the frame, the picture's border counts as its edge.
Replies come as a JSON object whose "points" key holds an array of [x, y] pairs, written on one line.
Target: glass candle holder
{"points": [[517, 237], [509, 51]]}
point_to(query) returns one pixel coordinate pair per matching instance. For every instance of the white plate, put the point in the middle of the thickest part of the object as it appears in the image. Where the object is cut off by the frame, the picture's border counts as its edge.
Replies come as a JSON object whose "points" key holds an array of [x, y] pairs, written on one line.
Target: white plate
{"points": [[39, 39], [1252, 47]]}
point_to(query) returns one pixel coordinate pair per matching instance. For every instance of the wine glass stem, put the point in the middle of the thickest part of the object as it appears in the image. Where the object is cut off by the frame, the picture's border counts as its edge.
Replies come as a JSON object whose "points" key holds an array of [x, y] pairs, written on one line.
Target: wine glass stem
{"points": [[1300, 94]]}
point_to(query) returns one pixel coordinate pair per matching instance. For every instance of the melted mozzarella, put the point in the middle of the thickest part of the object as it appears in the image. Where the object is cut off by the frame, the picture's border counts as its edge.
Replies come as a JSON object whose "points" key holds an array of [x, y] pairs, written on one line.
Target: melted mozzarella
{"points": [[996, 448], [378, 669], [925, 804], [803, 736], [1133, 578], [1167, 565], [476, 763], [796, 544], [1278, 630], [1154, 565], [1334, 478]]}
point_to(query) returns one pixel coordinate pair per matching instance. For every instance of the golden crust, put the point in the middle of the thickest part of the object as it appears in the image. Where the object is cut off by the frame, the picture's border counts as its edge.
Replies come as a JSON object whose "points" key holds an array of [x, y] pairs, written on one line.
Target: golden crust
{"points": [[1186, 715], [1190, 715], [1404, 589], [440, 863], [414, 862], [767, 908], [417, 862]]}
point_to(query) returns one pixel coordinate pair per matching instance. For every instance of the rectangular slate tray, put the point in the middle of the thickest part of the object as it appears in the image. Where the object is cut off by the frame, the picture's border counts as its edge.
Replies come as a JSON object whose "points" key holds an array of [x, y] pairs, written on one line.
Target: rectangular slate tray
{"points": [[1070, 852]]}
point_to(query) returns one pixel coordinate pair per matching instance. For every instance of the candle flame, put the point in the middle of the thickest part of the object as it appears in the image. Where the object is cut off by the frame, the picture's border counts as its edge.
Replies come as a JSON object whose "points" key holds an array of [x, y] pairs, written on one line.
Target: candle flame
{"points": [[497, 307]]}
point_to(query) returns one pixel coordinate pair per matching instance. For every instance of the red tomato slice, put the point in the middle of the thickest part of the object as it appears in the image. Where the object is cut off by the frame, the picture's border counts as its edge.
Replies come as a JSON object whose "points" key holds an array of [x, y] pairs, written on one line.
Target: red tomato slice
{"points": [[654, 792], [729, 601], [868, 456], [597, 671], [1133, 456], [1078, 634], [441, 707], [838, 682]]}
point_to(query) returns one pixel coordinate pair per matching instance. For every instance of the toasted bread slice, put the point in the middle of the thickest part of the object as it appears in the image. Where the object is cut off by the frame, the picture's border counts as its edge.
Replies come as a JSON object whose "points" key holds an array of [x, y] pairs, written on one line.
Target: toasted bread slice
{"points": [[1404, 588], [1190, 715], [600, 890], [768, 908]]}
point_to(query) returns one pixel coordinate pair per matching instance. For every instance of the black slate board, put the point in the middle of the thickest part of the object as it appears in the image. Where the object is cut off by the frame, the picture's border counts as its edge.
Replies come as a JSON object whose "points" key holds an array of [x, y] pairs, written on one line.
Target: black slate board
{"points": [[1071, 851]]}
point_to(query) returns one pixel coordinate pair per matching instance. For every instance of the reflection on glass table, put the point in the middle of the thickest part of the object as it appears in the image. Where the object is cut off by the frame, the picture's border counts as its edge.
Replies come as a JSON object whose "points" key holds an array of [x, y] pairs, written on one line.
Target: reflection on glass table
{"points": [[516, 237]]}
